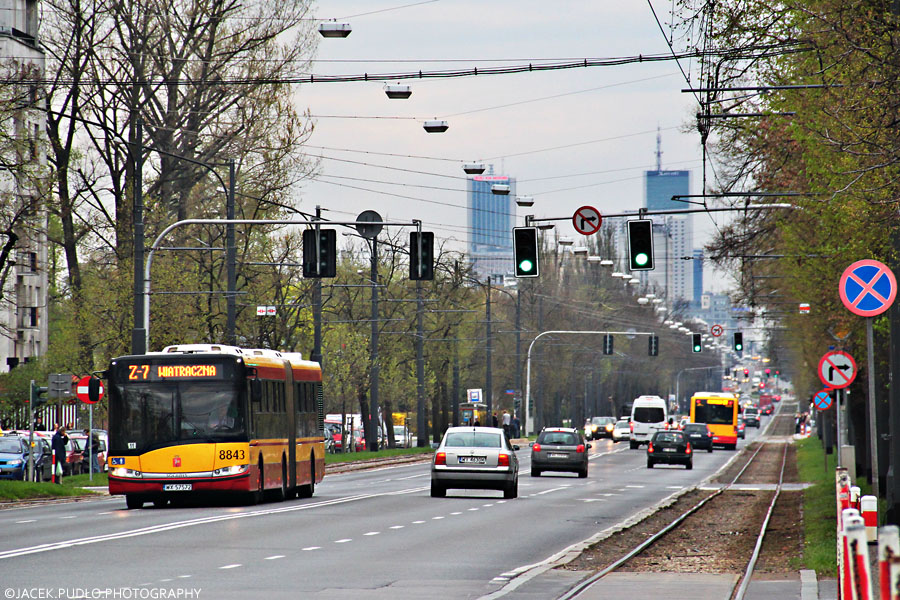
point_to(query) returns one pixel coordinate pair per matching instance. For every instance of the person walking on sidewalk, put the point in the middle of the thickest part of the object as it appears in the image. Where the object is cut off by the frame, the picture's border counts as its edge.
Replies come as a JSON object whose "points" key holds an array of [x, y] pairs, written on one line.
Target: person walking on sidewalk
{"points": [[58, 444]]}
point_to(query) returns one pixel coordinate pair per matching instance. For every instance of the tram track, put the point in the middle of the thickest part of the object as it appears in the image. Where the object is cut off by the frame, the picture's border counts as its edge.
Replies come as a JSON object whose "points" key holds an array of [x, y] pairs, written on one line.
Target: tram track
{"points": [[715, 503]]}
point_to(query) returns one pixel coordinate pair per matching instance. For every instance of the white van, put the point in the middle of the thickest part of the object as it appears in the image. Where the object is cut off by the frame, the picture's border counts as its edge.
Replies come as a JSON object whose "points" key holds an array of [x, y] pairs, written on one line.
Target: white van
{"points": [[648, 415]]}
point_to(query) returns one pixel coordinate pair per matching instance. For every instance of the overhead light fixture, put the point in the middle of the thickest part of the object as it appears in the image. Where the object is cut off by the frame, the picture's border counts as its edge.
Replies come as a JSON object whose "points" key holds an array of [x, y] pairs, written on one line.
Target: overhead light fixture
{"points": [[617, 274], [667, 322], [634, 281], [642, 301], [650, 295], [399, 91], [333, 29], [595, 259], [525, 200], [580, 251], [656, 300], [500, 189], [566, 241], [436, 126], [473, 168], [606, 262], [545, 226]]}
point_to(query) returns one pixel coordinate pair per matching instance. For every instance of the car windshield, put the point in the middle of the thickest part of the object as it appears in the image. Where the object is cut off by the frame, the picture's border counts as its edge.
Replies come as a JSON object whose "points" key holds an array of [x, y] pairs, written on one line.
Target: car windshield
{"points": [[622, 425], [669, 436], [562, 438], [751, 411], [649, 414], [10, 446], [695, 428], [472, 439], [398, 429]]}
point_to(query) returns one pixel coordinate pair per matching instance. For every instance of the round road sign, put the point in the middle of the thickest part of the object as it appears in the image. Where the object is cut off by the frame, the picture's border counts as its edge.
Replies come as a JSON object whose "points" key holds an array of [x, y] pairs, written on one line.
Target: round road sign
{"points": [[868, 288], [822, 400], [717, 330], [373, 224], [587, 220], [81, 390], [837, 369]]}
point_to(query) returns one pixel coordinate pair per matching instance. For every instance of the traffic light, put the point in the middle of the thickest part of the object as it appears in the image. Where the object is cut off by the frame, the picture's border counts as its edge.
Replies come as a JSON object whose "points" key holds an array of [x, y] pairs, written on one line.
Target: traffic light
{"points": [[421, 266], [738, 341], [776, 374], [654, 345], [640, 245], [525, 249], [36, 399], [607, 344], [767, 372], [696, 342], [746, 372], [320, 261]]}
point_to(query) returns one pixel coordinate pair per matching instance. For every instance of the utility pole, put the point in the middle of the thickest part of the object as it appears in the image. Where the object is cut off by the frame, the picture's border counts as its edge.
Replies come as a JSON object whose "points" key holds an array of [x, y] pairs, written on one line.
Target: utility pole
{"points": [[519, 351], [454, 402], [488, 348], [420, 367], [138, 333], [372, 442], [230, 263], [317, 307]]}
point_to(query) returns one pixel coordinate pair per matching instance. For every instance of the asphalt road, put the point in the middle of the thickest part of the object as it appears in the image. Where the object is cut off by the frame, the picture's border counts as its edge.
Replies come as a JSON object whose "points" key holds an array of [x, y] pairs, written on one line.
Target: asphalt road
{"points": [[369, 534]]}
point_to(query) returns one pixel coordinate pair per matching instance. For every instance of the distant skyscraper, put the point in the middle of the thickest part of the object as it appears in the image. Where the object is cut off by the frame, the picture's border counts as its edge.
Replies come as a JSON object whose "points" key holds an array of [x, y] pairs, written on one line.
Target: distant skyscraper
{"points": [[491, 220], [698, 276]]}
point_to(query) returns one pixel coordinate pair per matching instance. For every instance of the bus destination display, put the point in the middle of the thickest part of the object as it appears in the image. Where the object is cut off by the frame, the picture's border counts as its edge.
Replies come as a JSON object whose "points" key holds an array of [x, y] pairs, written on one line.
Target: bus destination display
{"points": [[157, 372]]}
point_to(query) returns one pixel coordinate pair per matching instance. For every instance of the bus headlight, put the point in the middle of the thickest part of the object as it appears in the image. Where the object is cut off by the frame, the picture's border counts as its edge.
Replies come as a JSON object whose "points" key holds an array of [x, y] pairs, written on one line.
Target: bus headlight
{"points": [[232, 470], [128, 473]]}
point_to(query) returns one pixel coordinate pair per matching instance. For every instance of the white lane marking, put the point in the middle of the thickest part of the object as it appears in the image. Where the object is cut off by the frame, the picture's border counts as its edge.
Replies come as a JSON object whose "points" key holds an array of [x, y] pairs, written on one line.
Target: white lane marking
{"points": [[565, 487], [234, 566], [486, 505], [274, 557], [593, 499], [456, 513], [473, 509], [184, 577], [413, 476], [372, 533], [436, 518], [68, 517], [599, 454], [674, 487], [309, 548], [500, 579], [109, 512], [501, 501], [397, 526], [343, 541], [198, 521], [28, 521], [418, 522], [636, 486], [165, 580]]}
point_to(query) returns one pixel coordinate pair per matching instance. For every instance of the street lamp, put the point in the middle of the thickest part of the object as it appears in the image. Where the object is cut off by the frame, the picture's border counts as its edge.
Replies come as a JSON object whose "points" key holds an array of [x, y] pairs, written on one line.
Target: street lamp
{"points": [[436, 126], [333, 29], [398, 91], [473, 168]]}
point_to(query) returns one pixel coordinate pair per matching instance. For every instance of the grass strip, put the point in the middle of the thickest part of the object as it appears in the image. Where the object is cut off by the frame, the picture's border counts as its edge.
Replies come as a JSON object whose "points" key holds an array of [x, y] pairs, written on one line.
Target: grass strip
{"points": [[343, 457], [819, 507], [27, 490]]}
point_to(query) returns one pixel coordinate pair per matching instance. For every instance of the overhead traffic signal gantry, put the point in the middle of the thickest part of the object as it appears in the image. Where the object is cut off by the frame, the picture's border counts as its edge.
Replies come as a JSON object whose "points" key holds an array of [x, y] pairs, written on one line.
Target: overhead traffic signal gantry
{"points": [[640, 245], [738, 341], [696, 342], [525, 250]]}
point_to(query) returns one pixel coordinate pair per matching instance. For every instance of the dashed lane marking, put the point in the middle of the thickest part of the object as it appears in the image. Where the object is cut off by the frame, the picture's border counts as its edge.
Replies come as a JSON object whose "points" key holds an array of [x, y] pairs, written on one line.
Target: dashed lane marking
{"points": [[343, 541], [565, 487], [418, 522], [372, 533], [397, 526], [275, 557], [310, 548], [28, 521], [234, 566]]}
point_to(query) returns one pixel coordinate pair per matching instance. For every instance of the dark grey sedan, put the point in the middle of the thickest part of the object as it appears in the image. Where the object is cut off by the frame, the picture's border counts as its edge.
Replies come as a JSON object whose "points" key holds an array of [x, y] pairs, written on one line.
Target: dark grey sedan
{"points": [[559, 449], [475, 458]]}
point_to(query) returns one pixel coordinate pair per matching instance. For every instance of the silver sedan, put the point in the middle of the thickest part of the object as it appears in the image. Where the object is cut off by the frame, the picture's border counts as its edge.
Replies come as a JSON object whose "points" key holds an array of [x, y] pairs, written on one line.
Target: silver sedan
{"points": [[475, 458]]}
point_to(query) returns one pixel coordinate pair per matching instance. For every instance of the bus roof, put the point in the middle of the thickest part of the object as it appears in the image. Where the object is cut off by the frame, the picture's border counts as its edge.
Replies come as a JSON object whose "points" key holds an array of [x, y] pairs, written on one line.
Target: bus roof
{"points": [[715, 395]]}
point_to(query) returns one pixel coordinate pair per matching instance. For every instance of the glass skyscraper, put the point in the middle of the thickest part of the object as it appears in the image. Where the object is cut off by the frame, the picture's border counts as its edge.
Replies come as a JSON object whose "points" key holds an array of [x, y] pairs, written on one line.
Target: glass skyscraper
{"points": [[672, 274], [491, 220], [660, 186]]}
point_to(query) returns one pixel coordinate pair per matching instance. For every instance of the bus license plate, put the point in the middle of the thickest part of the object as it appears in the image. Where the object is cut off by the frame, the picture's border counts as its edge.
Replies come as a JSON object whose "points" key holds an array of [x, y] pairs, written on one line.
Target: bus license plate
{"points": [[177, 487], [472, 460]]}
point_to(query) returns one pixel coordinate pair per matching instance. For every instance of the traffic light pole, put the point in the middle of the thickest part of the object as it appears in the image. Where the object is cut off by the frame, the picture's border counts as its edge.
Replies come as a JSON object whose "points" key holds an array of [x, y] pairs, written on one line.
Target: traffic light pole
{"points": [[488, 371], [529, 420]]}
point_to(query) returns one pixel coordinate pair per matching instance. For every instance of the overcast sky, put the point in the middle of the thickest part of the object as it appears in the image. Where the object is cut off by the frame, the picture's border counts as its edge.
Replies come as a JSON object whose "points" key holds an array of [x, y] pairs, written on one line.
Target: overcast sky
{"points": [[588, 145]]}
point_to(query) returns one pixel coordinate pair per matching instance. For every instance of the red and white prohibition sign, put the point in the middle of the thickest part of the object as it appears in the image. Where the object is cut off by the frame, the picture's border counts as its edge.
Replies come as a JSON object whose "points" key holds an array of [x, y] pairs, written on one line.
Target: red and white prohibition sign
{"points": [[587, 220], [717, 330]]}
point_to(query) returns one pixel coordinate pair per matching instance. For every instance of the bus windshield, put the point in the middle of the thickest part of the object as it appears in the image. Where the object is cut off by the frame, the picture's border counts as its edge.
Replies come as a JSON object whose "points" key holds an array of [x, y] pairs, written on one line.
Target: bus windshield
{"points": [[714, 414], [154, 414]]}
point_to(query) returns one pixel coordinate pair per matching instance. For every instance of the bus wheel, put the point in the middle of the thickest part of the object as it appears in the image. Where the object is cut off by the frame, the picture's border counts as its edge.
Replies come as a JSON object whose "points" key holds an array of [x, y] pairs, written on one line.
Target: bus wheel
{"points": [[306, 491], [133, 501], [258, 496]]}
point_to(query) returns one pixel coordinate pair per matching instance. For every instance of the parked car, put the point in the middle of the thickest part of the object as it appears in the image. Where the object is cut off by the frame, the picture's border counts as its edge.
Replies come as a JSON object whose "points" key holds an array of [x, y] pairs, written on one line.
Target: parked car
{"points": [[13, 457], [699, 435], [475, 458], [559, 449], [74, 454], [621, 431], [599, 427], [751, 417], [402, 436], [670, 447]]}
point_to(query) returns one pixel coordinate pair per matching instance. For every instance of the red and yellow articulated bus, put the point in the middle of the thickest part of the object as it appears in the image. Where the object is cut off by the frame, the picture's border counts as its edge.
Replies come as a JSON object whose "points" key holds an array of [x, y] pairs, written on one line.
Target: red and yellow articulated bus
{"points": [[720, 413], [212, 419]]}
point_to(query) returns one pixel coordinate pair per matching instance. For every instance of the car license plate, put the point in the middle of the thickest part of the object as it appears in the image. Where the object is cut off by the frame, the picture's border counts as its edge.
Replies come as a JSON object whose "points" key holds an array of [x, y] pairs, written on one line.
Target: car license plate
{"points": [[668, 449], [177, 487], [695, 435], [472, 460], [557, 455]]}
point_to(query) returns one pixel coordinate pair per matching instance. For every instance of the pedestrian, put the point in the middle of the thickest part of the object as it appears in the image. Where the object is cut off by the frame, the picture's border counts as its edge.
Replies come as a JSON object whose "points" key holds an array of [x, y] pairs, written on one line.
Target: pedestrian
{"points": [[507, 419], [58, 443], [39, 424], [494, 422], [516, 426], [93, 449]]}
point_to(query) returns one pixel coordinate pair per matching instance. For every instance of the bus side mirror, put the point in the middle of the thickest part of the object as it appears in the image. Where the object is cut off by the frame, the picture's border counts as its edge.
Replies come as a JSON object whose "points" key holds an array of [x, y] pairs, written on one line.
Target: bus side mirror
{"points": [[255, 390], [94, 390]]}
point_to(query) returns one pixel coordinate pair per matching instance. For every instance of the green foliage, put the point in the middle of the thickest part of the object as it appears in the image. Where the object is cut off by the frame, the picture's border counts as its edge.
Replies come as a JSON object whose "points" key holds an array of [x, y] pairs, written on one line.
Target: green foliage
{"points": [[819, 507]]}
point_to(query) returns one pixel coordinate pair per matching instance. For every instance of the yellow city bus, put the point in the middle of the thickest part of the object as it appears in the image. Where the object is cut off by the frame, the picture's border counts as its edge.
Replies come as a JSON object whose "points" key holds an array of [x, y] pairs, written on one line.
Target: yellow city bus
{"points": [[209, 419], [720, 413]]}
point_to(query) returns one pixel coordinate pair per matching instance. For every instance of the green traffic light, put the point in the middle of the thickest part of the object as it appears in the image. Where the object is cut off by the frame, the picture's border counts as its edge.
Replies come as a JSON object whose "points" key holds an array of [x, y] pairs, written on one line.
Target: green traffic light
{"points": [[738, 347], [526, 266], [696, 348], [641, 259]]}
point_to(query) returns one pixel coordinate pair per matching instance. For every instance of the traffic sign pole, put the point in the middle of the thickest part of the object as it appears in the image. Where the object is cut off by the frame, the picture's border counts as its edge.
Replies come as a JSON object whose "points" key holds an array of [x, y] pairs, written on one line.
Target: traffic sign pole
{"points": [[873, 427]]}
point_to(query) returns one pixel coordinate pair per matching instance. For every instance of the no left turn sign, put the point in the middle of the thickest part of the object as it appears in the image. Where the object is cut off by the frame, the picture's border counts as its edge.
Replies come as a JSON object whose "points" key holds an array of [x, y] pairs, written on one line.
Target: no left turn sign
{"points": [[837, 369]]}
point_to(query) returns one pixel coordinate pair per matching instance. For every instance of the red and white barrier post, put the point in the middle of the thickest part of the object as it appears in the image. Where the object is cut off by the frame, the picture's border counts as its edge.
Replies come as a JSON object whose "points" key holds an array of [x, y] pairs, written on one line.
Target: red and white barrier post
{"points": [[868, 508], [888, 553], [842, 498], [857, 558], [845, 561], [854, 496], [53, 466]]}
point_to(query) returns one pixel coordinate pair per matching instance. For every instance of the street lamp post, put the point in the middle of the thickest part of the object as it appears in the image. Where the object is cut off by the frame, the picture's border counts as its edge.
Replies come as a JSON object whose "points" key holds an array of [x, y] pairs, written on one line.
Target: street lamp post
{"points": [[372, 442], [488, 371]]}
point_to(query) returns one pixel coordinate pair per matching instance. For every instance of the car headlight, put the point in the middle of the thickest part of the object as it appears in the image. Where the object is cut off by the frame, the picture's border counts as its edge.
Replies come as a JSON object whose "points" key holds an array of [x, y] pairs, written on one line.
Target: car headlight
{"points": [[128, 473], [231, 470], [15, 462]]}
